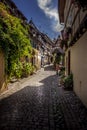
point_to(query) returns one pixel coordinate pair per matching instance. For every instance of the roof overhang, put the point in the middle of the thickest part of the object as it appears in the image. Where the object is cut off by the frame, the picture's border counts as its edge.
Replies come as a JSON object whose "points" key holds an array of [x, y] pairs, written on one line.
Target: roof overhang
{"points": [[61, 6]]}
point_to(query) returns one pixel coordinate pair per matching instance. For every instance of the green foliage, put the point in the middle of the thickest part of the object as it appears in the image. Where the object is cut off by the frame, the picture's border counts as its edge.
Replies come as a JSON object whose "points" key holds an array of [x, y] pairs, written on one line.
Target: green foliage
{"points": [[62, 71], [57, 58], [16, 69], [28, 69], [19, 70], [14, 41], [68, 81]]}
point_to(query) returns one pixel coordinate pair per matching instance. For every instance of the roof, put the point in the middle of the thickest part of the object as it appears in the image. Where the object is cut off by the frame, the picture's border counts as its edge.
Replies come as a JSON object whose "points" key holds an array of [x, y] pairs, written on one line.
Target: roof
{"points": [[44, 36], [13, 5], [47, 38]]}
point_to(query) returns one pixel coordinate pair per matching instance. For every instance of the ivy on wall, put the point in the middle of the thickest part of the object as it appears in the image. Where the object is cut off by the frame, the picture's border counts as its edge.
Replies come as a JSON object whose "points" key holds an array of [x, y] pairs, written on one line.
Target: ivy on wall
{"points": [[14, 41]]}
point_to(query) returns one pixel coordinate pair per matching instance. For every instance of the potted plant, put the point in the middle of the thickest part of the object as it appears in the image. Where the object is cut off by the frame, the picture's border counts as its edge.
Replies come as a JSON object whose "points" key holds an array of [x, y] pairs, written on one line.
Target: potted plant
{"points": [[68, 82]]}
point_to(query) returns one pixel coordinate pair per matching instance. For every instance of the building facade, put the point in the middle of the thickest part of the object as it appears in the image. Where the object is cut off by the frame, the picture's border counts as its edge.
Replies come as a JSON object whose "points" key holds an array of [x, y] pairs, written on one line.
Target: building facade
{"points": [[42, 43], [74, 15]]}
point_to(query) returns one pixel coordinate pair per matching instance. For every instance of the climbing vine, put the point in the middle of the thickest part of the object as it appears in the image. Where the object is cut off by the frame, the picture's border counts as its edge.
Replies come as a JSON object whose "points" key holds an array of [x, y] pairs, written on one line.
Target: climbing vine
{"points": [[14, 41]]}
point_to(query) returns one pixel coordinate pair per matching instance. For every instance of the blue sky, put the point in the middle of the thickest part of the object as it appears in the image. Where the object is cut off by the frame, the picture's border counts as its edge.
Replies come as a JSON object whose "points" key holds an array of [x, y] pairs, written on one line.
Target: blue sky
{"points": [[44, 14]]}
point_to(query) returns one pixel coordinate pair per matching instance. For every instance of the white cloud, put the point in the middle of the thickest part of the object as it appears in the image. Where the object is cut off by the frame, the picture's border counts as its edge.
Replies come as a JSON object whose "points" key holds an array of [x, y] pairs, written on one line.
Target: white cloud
{"points": [[51, 12]]}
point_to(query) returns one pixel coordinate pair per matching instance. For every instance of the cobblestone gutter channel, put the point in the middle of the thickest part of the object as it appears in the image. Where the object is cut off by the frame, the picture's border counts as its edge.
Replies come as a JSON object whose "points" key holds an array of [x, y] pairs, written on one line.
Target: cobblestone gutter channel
{"points": [[76, 113], [59, 120]]}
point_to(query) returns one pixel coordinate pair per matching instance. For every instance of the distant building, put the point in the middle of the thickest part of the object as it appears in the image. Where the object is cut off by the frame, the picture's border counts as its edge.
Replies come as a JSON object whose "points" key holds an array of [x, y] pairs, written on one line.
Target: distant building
{"points": [[42, 43]]}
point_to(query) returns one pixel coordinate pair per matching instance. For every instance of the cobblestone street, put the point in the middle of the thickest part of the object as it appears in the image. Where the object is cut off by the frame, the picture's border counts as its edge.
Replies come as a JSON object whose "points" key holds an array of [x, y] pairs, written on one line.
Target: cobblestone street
{"points": [[38, 103]]}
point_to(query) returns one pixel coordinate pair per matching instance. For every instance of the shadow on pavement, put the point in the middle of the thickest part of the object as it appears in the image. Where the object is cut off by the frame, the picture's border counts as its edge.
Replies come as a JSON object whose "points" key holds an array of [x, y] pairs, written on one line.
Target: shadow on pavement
{"points": [[33, 107], [42, 107], [49, 68]]}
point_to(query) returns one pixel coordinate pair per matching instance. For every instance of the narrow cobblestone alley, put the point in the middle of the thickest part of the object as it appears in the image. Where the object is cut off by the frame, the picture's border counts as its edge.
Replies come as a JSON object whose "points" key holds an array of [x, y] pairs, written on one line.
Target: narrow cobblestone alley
{"points": [[38, 103]]}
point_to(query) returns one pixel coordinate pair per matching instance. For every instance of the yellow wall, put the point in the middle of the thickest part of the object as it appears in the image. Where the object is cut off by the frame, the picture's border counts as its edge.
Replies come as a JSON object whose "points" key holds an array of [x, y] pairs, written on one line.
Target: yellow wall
{"points": [[2, 72], [79, 67], [39, 60]]}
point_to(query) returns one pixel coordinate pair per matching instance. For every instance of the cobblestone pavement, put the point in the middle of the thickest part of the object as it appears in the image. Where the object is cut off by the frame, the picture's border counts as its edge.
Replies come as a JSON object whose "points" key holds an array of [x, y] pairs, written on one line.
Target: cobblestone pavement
{"points": [[38, 103]]}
